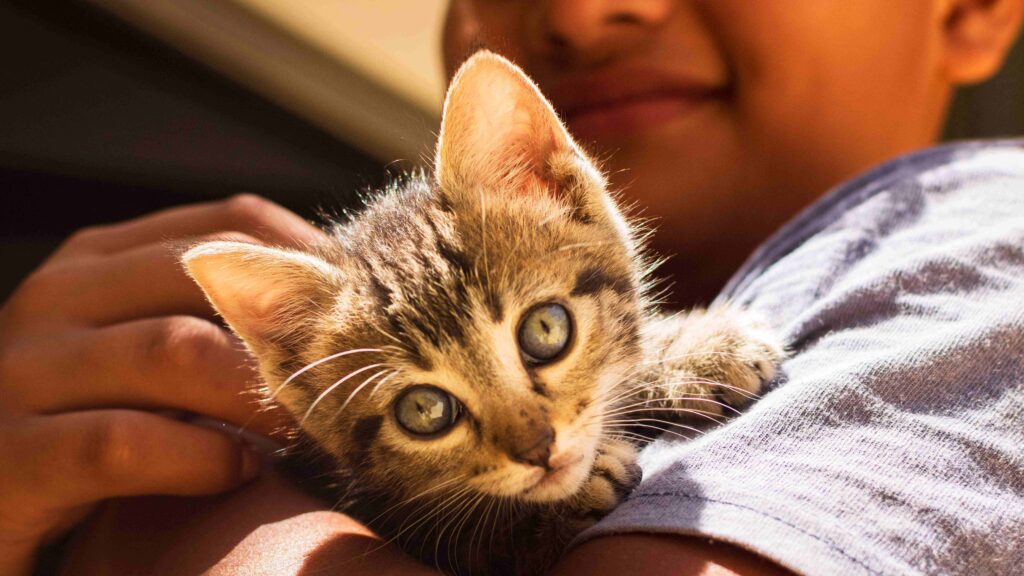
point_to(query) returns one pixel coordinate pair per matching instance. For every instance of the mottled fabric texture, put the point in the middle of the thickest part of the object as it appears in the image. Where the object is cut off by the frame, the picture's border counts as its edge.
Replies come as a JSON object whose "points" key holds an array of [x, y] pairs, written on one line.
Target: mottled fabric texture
{"points": [[893, 442]]}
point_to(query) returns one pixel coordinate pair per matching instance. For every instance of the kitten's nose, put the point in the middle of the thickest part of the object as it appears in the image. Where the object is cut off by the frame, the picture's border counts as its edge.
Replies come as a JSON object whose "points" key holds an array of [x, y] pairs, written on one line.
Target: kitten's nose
{"points": [[539, 451]]}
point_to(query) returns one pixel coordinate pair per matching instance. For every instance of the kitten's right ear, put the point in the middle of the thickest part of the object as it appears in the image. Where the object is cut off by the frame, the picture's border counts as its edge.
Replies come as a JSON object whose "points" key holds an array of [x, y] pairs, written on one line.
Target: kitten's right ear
{"points": [[266, 295]]}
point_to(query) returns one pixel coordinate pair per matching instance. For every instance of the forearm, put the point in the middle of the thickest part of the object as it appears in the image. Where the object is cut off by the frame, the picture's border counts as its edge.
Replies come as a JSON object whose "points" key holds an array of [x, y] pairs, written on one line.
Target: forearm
{"points": [[270, 527], [267, 527]]}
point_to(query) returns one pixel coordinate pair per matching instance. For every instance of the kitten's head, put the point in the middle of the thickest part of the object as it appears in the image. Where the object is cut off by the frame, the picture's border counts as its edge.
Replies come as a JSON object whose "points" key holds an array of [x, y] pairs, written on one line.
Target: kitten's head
{"points": [[464, 333]]}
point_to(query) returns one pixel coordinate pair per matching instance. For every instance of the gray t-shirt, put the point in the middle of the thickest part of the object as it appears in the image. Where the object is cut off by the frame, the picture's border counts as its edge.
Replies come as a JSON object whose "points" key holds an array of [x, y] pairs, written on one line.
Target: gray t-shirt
{"points": [[893, 442]]}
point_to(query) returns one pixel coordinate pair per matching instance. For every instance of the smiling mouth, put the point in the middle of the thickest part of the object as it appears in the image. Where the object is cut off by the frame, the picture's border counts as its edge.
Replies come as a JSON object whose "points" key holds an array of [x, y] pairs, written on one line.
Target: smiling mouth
{"points": [[635, 114], [622, 102]]}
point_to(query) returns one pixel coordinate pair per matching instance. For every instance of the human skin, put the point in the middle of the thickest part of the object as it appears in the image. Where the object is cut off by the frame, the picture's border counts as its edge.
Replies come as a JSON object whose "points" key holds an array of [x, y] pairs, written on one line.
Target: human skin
{"points": [[808, 94], [107, 331], [811, 93]]}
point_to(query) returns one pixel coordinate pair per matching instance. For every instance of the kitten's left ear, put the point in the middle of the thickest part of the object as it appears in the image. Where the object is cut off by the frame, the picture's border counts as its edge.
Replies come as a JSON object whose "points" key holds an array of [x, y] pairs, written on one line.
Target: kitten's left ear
{"points": [[267, 295], [500, 133]]}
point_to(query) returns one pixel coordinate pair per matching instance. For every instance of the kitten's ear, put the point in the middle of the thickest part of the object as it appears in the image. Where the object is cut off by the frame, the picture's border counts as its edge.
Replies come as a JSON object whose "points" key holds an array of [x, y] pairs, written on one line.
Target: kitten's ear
{"points": [[267, 295], [499, 132]]}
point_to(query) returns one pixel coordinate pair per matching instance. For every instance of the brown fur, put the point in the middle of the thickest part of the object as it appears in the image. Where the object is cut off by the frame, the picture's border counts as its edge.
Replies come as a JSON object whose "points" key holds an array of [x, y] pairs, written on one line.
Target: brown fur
{"points": [[432, 280]]}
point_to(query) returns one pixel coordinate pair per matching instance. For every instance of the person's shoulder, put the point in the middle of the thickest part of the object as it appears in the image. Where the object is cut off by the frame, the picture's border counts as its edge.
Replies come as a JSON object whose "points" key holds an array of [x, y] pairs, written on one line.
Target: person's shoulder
{"points": [[897, 298], [965, 196]]}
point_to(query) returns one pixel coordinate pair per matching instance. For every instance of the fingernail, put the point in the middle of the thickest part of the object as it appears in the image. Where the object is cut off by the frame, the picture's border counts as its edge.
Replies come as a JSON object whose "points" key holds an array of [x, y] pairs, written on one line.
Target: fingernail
{"points": [[252, 464]]}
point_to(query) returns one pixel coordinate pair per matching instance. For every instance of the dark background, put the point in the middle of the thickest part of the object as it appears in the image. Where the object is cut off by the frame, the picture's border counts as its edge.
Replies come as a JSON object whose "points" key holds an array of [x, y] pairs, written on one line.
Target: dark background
{"points": [[99, 123]]}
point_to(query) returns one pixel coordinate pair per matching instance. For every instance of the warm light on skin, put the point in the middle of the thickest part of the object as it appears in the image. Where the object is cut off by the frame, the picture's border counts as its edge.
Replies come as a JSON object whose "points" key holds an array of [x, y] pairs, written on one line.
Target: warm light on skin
{"points": [[814, 93]]}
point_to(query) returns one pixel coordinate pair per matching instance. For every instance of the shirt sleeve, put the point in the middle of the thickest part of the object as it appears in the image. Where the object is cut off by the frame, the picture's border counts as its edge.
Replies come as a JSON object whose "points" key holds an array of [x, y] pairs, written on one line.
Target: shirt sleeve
{"points": [[893, 442]]}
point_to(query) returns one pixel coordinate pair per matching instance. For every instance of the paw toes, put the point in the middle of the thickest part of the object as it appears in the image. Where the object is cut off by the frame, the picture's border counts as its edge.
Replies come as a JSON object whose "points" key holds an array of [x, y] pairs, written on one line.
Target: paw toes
{"points": [[619, 449], [601, 495], [621, 475]]}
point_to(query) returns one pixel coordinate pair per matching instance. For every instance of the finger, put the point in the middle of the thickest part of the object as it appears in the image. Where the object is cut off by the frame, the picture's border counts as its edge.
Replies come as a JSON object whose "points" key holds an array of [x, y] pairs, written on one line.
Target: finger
{"points": [[72, 459], [256, 216], [178, 362], [147, 281]]}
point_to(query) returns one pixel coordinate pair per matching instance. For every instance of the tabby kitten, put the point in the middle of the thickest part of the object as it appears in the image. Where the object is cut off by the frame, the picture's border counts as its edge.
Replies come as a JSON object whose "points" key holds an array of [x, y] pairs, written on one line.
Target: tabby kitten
{"points": [[476, 351]]}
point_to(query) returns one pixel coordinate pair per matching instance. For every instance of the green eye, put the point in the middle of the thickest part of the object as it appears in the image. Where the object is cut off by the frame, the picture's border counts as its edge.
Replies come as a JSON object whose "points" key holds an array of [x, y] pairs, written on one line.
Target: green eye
{"points": [[544, 332], [426, 410]]}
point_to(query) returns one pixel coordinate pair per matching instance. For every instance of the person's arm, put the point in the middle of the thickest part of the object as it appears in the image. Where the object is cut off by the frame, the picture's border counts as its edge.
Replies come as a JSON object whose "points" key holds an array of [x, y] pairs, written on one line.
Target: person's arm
{"points": [[270, 527], [266, 527]]}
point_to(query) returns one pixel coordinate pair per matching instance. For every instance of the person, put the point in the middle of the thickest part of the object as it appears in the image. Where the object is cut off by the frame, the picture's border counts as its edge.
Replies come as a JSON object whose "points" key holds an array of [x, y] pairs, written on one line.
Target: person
{"points": [[891, 444]]}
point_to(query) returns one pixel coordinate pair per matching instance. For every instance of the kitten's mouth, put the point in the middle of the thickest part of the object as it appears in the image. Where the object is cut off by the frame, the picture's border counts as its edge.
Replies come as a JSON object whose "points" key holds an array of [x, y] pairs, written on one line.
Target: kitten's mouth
{"points": [[557, 482]]}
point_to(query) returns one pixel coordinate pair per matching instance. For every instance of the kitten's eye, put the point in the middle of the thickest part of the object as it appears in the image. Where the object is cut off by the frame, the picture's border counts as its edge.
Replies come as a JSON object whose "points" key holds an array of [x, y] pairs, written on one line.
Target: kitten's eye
{"points": [[544, 332], [426, 410]]}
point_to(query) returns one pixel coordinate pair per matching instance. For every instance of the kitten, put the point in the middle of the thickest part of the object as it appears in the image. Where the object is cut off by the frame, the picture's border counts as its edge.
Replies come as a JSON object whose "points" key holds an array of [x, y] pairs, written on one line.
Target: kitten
{"points": [[476, 352]]}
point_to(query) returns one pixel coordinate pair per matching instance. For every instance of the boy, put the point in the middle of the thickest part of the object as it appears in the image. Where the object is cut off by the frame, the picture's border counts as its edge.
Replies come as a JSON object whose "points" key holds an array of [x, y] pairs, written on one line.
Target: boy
{"points": [[893, 446]]}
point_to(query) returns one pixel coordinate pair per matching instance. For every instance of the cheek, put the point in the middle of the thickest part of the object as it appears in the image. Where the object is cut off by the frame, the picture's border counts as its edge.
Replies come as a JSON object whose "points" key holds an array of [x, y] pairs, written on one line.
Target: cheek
{"points": [[429, 460], [824, 76]]}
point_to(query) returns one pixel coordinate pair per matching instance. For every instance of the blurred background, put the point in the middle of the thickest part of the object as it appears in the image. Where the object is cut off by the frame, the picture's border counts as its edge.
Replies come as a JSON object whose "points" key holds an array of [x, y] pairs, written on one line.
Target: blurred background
{"points": [[113, 108]]}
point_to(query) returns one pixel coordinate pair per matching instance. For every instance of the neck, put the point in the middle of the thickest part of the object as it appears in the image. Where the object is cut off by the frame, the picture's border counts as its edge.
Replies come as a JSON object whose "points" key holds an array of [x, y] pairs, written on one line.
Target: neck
{"points": [[697, 279]]}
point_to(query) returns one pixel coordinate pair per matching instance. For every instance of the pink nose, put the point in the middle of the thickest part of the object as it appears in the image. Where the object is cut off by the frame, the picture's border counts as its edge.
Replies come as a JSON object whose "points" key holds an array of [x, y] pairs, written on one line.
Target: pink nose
{"points": [[539, 451]]}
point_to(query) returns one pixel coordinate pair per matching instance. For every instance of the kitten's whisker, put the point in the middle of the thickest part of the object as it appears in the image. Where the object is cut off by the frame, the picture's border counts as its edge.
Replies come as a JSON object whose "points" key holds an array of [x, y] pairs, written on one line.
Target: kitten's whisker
{"points": [[711, 384], [645, 387], [578, 245], [383, 380], [648, 411], [659, 421], [316, 363], [664, 401], [480, 521], [388, 336], [502, 506], [422, 520], [458, 531], [361, 386], [632, 437], [438, 506], [456, 515], [665, 431], [620, 394], [647, 407], [417, 496], [709, 400], [689, 354], [334, 386]]}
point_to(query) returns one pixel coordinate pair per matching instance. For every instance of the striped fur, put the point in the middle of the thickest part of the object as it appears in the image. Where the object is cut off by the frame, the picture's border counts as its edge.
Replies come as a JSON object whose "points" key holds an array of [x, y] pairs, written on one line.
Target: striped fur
{"points": [[427, 285]]}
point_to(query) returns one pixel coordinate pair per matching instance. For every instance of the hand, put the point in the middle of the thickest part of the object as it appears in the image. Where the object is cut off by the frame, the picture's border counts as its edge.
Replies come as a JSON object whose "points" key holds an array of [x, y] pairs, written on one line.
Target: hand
{"points": [[95, 344]]}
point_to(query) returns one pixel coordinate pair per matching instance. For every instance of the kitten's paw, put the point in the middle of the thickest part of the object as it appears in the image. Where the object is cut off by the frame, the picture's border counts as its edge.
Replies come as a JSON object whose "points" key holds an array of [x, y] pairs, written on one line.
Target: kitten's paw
{"points": [[613, 476], [753, 359]]}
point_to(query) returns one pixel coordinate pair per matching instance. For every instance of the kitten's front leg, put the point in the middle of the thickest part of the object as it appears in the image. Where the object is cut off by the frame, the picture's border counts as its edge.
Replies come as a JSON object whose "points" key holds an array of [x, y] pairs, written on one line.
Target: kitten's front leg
{"points": [[707, 361]]}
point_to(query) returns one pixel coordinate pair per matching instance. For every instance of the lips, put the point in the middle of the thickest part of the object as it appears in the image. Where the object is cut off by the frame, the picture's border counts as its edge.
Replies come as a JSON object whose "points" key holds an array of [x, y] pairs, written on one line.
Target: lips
{"points": [[625, 102]]}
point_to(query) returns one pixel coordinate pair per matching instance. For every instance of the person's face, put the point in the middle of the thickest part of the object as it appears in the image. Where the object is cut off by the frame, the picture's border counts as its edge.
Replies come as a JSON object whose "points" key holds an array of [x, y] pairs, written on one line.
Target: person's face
{"points": [[724, 117]]}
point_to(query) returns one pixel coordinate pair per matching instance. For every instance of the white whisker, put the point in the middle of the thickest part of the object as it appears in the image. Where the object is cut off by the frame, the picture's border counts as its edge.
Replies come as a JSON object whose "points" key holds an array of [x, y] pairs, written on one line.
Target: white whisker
{"points": [[312, 365], [332, 387], [381, 383]]}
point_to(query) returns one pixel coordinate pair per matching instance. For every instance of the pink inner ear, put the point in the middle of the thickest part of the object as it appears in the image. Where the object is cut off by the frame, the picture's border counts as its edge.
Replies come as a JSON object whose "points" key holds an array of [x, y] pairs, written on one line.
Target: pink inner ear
{"points": [[535, 150], [498, 130]]}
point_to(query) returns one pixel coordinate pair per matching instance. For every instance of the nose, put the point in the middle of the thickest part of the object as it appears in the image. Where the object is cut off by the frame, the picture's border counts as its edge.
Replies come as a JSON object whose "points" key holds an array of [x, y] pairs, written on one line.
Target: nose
{"points": [[536, 450], [594, 29]]}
